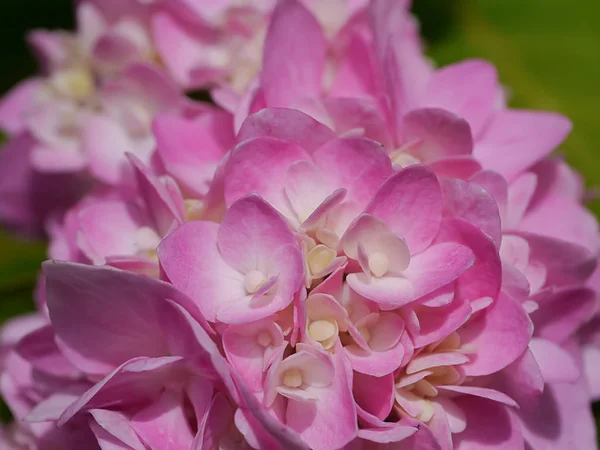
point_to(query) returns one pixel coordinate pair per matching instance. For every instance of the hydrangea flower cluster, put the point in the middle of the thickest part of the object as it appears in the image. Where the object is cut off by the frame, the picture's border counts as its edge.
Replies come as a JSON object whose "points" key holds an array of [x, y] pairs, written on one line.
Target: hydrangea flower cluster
{"points": [[347, 249]]}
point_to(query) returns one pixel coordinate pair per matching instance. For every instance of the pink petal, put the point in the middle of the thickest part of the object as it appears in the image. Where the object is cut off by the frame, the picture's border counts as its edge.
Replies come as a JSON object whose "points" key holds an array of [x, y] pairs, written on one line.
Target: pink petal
{"points": [[260, 166], [489, 426], [437, 266], [191, 260], [410, 203], [16, 103], [102, 295], [437, 134], [110, 228], [362, 166], [472, 203], [142, 378], [565, 263], [114, 428], [555, 362], [349, 114], [437, 323], [388, 290], [105, 143], [164, 210], [522, 380], [247, 354], [562, 419], [178, 145], [164, 424], [563, 312], [374, 395], [505, 321], [330, 423], [469, 89], [288, 125], [250, 233], [484, 278], [292, 67], [522, 138], [487, 393]]}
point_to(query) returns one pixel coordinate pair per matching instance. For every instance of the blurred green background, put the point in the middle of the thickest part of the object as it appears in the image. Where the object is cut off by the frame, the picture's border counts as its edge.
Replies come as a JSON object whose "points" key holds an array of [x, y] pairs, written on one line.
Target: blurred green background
{"points": [[547, 53]]}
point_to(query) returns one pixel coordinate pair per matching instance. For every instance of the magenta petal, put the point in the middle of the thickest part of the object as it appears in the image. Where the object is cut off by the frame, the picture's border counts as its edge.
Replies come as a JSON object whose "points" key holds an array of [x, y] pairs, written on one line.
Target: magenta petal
{"points": [[111, 427], [264, 421], [164, 423], [119, 308], [214, 423], [556, 364], [565, 263], [288, 125], [562, 419], [14, 105], [292, 67], [562, 312], [374, 395], [505, 321], [40, 350], [140, 378], [522, 380], [164, 208], [490, 426], [410, 203]]}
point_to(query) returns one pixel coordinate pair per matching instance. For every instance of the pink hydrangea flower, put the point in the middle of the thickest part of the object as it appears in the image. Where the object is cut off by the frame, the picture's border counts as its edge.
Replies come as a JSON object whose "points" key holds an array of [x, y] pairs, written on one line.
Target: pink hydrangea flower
{"points": [[354, 251]]}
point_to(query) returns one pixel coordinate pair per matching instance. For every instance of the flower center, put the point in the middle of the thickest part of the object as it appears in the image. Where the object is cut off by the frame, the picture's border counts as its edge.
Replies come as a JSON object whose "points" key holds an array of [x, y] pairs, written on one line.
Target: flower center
{"points": [[146, 239], [193, 209], [74, 83], [253, 281], [378, 264], [292, 378], [264, 339], [321, 330], [319, 258]]}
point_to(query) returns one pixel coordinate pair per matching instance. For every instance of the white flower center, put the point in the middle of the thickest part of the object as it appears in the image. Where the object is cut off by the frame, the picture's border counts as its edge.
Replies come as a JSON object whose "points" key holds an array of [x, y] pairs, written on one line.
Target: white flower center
{"points": [[378, 264], [253, 281], [292, 378]]}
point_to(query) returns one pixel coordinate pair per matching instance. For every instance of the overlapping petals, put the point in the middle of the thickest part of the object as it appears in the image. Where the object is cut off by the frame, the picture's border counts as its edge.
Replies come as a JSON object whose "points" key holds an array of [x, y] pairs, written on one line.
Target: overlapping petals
{"points": [[349, 249]]}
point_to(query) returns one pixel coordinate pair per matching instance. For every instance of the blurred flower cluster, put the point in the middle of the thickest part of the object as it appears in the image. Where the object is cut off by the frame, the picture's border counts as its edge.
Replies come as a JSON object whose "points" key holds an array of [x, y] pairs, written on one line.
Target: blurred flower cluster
{"points": [[343, 247]]}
